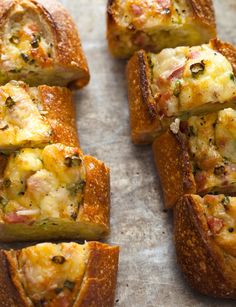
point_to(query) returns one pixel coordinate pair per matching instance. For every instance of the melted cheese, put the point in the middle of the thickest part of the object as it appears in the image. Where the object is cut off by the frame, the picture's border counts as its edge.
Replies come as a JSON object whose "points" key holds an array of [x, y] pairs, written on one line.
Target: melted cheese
{"points": [[42, 183], [187, 79], [221, 210], [24, 46], [21, 123], [151, 13], [53, 273], [211, 143]]}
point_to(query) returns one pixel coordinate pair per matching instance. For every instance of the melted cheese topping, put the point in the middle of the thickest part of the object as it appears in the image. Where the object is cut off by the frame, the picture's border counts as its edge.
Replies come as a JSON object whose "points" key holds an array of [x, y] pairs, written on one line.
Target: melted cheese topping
{"points": [[24, 47], [146, 14], [42, 183], [211, 142], [21, 123], [220, 213], [52, 274], [188, 79]]}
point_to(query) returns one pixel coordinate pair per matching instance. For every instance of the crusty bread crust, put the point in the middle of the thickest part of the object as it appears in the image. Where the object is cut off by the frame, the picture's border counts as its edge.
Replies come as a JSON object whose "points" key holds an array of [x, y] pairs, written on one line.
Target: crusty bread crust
{"points": [[204, 11], [99, 283], [144, 119], [69, 52], [58, 102], [228, 50], [11, 291], [142, 106], [96, 205], [97, 289], [203, 263], [173, 165]]}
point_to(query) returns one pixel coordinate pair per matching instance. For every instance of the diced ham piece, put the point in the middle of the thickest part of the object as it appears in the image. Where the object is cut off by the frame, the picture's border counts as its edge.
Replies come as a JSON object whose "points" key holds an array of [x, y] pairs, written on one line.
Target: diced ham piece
{"points": [[164, 4], [136, 10], [177, 73], [215, 224], [194, 54], [14, 218]]}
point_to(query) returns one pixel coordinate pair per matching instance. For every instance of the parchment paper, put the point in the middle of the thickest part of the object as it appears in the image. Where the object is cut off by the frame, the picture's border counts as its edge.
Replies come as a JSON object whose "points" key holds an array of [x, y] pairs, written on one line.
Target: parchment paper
{"points": [[148, 273]]}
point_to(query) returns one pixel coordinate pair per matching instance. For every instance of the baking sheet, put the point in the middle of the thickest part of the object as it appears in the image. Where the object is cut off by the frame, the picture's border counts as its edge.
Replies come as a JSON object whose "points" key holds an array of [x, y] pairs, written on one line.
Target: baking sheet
{"points": [[148, 273]]}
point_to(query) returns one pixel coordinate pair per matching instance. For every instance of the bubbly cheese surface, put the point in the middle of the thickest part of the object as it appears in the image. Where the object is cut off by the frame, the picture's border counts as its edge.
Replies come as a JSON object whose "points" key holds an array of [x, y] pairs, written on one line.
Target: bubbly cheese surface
{"points": [[44, 183], [151, 13], [52, 274], [211, 142], [220, 213], [21, 123], [24, 45], [187, 79]]}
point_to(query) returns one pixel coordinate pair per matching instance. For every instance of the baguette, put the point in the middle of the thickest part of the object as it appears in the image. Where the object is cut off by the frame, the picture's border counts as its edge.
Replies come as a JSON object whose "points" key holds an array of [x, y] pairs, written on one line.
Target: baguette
{"points": [[53, 192], [35, 117], [205, 243], [80, 275], [178, 82], [198, 156], [40, 44], [155, 25]]}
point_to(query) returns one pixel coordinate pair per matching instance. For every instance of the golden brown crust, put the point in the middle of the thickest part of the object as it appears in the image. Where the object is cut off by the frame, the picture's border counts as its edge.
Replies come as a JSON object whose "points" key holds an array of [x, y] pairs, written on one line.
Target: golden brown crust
{"points": [[174, 168], [57, 101], [228, 50], [142, 106], [201, 261], [69, 52], [96, 205], [98, 287], [204, 11], [11, 292]]}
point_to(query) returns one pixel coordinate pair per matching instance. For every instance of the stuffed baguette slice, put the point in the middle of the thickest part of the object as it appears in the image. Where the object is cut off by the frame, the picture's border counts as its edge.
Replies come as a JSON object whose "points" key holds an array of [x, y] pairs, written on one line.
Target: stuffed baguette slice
{"points": [[53, 192], [35, 116], [40, 44], [154, 25], [198, 156], [205, 236], [178, 82], [56, 275]]}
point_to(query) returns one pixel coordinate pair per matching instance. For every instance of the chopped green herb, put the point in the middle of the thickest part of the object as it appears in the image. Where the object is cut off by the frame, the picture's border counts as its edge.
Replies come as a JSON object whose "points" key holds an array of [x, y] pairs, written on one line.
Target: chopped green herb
{"points": [[58, 290], [197, 69], [191, 131], [69, 285], [232, 77], [58, 259], [25, 57], [7, 183], [219, 170], [15, 71], [225, 201], [14, 40], [177, 88], [35, 42], [77, 187], [9, 102], [3, 201], [74, 160]]}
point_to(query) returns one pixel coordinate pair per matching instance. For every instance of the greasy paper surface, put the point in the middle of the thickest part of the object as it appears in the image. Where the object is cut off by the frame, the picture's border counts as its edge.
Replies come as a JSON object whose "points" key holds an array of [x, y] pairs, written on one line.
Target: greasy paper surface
{"points": [[148, 273]]}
